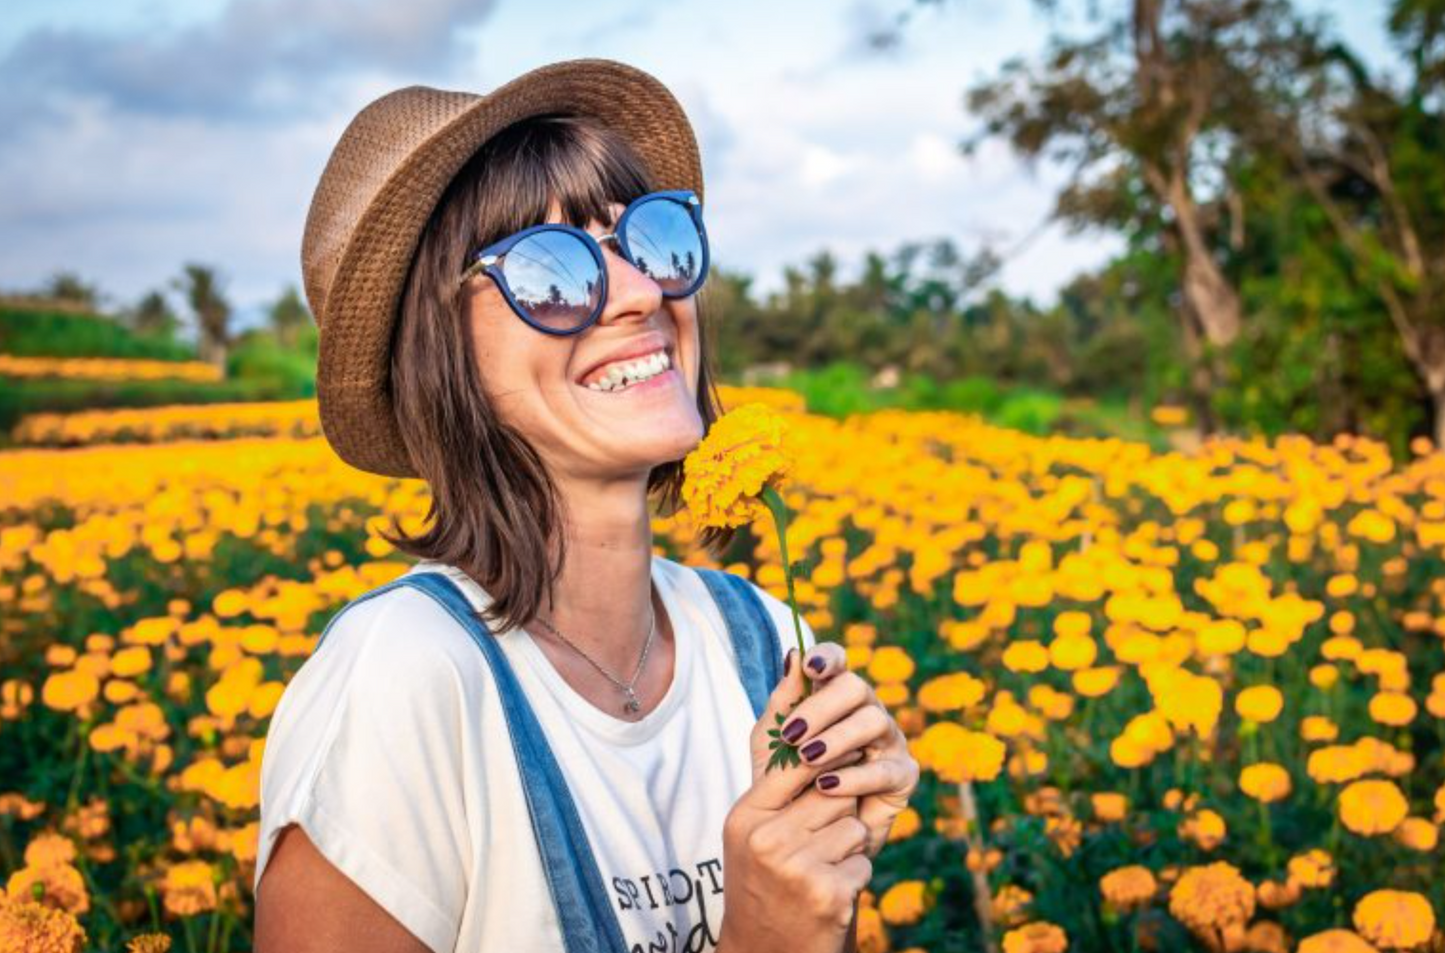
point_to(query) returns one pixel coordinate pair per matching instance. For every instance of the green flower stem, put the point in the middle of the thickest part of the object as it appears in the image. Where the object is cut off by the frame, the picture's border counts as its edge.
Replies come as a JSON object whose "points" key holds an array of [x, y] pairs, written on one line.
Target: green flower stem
{"points": [[784, 754], [779, 510]]}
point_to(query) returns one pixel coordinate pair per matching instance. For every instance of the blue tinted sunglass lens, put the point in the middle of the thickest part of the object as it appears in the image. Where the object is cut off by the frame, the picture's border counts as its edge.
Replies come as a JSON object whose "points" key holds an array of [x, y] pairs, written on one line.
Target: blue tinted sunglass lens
{"points": [[666, 245], [554, 277]]}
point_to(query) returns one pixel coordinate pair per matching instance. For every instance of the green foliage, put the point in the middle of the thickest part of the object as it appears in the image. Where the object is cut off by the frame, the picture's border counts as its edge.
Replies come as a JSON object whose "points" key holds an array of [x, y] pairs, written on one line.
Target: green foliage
{"points": [[260, 358], [33, 332], [18, 398]]}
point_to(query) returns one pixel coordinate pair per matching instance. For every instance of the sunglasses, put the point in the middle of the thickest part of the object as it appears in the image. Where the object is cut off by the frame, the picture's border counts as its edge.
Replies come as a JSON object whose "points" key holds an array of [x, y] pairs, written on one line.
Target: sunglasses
{"points": [[555, 279]]}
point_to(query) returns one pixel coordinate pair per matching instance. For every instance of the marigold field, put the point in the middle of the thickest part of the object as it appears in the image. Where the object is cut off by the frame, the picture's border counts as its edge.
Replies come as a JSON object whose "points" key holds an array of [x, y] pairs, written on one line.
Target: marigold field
{"points": [[1163, 701]]}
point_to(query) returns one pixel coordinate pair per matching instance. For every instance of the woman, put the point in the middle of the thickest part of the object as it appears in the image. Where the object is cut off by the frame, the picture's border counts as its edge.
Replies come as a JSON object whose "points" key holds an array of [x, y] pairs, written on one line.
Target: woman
{"points": [[533, 740]]}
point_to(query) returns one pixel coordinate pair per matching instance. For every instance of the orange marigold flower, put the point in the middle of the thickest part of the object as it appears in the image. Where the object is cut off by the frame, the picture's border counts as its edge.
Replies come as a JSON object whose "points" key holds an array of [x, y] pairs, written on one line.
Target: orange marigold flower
{"points": [[1313, 868], [38, 928], [905, 902], [1036, 937], [724, 476], [1259, 703], [1372, 807], [1418, 834], [1010, 904], [1109, 807], [1128, 887], [1265, 782], [1394, 919], [189, 888], [1212, 899], [1205, 828], [1335, 941], [161, 943]]}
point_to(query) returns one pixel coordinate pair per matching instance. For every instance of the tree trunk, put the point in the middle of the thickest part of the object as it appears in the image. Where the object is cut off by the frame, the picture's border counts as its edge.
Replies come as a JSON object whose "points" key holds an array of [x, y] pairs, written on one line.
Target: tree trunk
{"points": [[1208, 292]]}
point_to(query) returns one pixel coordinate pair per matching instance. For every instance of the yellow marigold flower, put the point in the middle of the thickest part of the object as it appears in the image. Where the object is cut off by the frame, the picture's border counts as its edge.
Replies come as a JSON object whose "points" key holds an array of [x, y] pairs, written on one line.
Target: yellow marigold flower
{"points": [[905, 902], [1212, 899], [161, 943], [1335, 941], [890, 663], [1372, 807], [1221, 637], [1337, 764], [1276, 895], [69, 690], [1070, 653], [1129, 887], [1393, 708], [38, 928], [1036, 937], [905, 825], [1205, 828], [189, 888], [1265, 782], [1010, 904], [1259, 703], [1318, 728], [61, 886], [1072, 623], [1372, 525], [1314, 869], [1096, 682], [1026, 655], [49, 848], [743, 452], [1418, 834], [956, 754], [951, 692], [872, 934], [1109, 807], [1394, 919], [1324, 676]]}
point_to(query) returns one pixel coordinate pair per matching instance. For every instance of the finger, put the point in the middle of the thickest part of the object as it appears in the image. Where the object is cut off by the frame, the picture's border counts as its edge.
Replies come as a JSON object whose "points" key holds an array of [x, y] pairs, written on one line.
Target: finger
{"points": [[884, 776], [836, 840], [869, 726], [835, 761], [830, 702], [773, 789], [824, 660]]}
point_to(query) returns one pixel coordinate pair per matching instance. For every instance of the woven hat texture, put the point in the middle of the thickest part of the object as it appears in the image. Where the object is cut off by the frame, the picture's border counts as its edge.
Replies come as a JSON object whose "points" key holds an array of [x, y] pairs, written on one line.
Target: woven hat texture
{"points": [[381, 184]]}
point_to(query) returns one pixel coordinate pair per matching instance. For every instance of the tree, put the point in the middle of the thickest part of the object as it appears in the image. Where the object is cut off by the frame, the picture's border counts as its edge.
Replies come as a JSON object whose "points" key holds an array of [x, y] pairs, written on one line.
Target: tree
{"points": [[153, 316], [210, 311], [1145, 111], [1368, 152], [69, 287], [289, 316]]}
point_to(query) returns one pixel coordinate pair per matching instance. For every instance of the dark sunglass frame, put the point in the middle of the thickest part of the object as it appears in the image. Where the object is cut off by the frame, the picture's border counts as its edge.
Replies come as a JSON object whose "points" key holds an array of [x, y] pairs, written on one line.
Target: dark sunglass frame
{"points": [[489, 260]]}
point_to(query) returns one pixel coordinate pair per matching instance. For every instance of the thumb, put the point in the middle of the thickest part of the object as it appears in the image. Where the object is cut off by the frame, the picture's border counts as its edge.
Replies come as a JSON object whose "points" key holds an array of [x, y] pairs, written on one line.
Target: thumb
{"points": [[786, 694]]}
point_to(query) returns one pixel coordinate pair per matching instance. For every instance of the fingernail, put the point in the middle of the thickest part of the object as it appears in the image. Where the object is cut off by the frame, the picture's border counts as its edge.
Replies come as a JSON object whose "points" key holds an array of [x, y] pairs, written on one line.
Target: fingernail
{"points": [[794, 730], [815, 748], [788, 662], [817, 662], [828, 782]]}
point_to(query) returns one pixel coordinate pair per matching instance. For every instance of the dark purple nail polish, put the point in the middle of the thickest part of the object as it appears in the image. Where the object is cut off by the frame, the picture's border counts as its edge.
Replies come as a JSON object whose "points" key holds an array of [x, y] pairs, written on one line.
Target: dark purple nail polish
{"points": [[814, 748], [788, 662], [828, 782], [817, 662], [794, 730]]}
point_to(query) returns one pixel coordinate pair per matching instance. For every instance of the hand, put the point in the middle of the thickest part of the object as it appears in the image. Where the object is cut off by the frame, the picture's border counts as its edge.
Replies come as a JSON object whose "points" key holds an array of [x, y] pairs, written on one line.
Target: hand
{"points": [[844, 713], [793, 858]]}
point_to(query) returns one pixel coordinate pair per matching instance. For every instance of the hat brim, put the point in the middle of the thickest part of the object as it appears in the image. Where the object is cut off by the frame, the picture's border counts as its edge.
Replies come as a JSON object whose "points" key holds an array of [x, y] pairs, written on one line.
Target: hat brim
{"points": [[362, 302]]}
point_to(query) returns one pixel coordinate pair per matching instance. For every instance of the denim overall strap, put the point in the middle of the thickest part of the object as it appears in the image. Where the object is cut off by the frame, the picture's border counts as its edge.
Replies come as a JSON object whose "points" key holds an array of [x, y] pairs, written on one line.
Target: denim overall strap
{"points": [[754, 636], [589, 925]]}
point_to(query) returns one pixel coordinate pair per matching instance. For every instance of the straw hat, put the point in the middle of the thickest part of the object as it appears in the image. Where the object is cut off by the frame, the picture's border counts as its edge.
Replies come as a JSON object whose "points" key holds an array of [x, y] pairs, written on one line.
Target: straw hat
{"points": [[382, 183]]}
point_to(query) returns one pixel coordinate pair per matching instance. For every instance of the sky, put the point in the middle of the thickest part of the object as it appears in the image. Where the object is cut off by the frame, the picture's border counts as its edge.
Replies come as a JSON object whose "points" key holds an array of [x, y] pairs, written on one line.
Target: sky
{"points": [[144, 134]]}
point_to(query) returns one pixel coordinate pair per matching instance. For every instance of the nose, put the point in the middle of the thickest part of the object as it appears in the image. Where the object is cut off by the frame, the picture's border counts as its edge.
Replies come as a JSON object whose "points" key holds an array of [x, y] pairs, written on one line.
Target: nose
{"points": [[631, 294]]}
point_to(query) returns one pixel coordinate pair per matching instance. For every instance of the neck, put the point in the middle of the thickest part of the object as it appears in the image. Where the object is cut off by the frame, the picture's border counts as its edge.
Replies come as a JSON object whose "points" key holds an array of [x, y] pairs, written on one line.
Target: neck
{"points": [[602, 600]]}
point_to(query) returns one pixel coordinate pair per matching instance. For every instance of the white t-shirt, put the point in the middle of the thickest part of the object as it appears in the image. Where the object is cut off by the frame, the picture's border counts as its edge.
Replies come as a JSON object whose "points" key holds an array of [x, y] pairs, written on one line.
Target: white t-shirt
{"points": [[390, 749]]}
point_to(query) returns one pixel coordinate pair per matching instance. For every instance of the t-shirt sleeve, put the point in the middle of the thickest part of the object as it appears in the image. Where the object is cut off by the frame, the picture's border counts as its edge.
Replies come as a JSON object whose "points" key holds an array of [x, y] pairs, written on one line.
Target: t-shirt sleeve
{"points": [[364, 753], [782, 614]]}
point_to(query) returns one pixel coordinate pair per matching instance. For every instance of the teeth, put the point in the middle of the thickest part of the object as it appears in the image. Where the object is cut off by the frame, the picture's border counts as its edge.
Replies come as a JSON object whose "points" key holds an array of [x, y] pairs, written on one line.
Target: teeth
{"points": [[624, 374]]}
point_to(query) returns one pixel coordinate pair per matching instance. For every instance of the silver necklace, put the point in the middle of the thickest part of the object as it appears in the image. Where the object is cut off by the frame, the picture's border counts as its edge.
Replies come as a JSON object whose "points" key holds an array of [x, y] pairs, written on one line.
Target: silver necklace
{"points": [[632, 704]]}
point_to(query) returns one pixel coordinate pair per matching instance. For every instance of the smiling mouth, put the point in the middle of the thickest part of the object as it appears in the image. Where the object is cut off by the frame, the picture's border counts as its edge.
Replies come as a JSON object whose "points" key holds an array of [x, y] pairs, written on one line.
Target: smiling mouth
{"points": [[624, 375]]}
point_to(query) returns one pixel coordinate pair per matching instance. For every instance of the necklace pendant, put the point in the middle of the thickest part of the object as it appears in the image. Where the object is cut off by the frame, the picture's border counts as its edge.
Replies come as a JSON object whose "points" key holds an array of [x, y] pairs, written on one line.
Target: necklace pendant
{"points": [[632, 703]]}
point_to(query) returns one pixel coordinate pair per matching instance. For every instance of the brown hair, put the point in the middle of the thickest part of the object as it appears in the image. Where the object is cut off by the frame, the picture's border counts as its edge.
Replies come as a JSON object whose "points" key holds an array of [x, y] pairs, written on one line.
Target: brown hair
{"points": [[495, 512]]}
